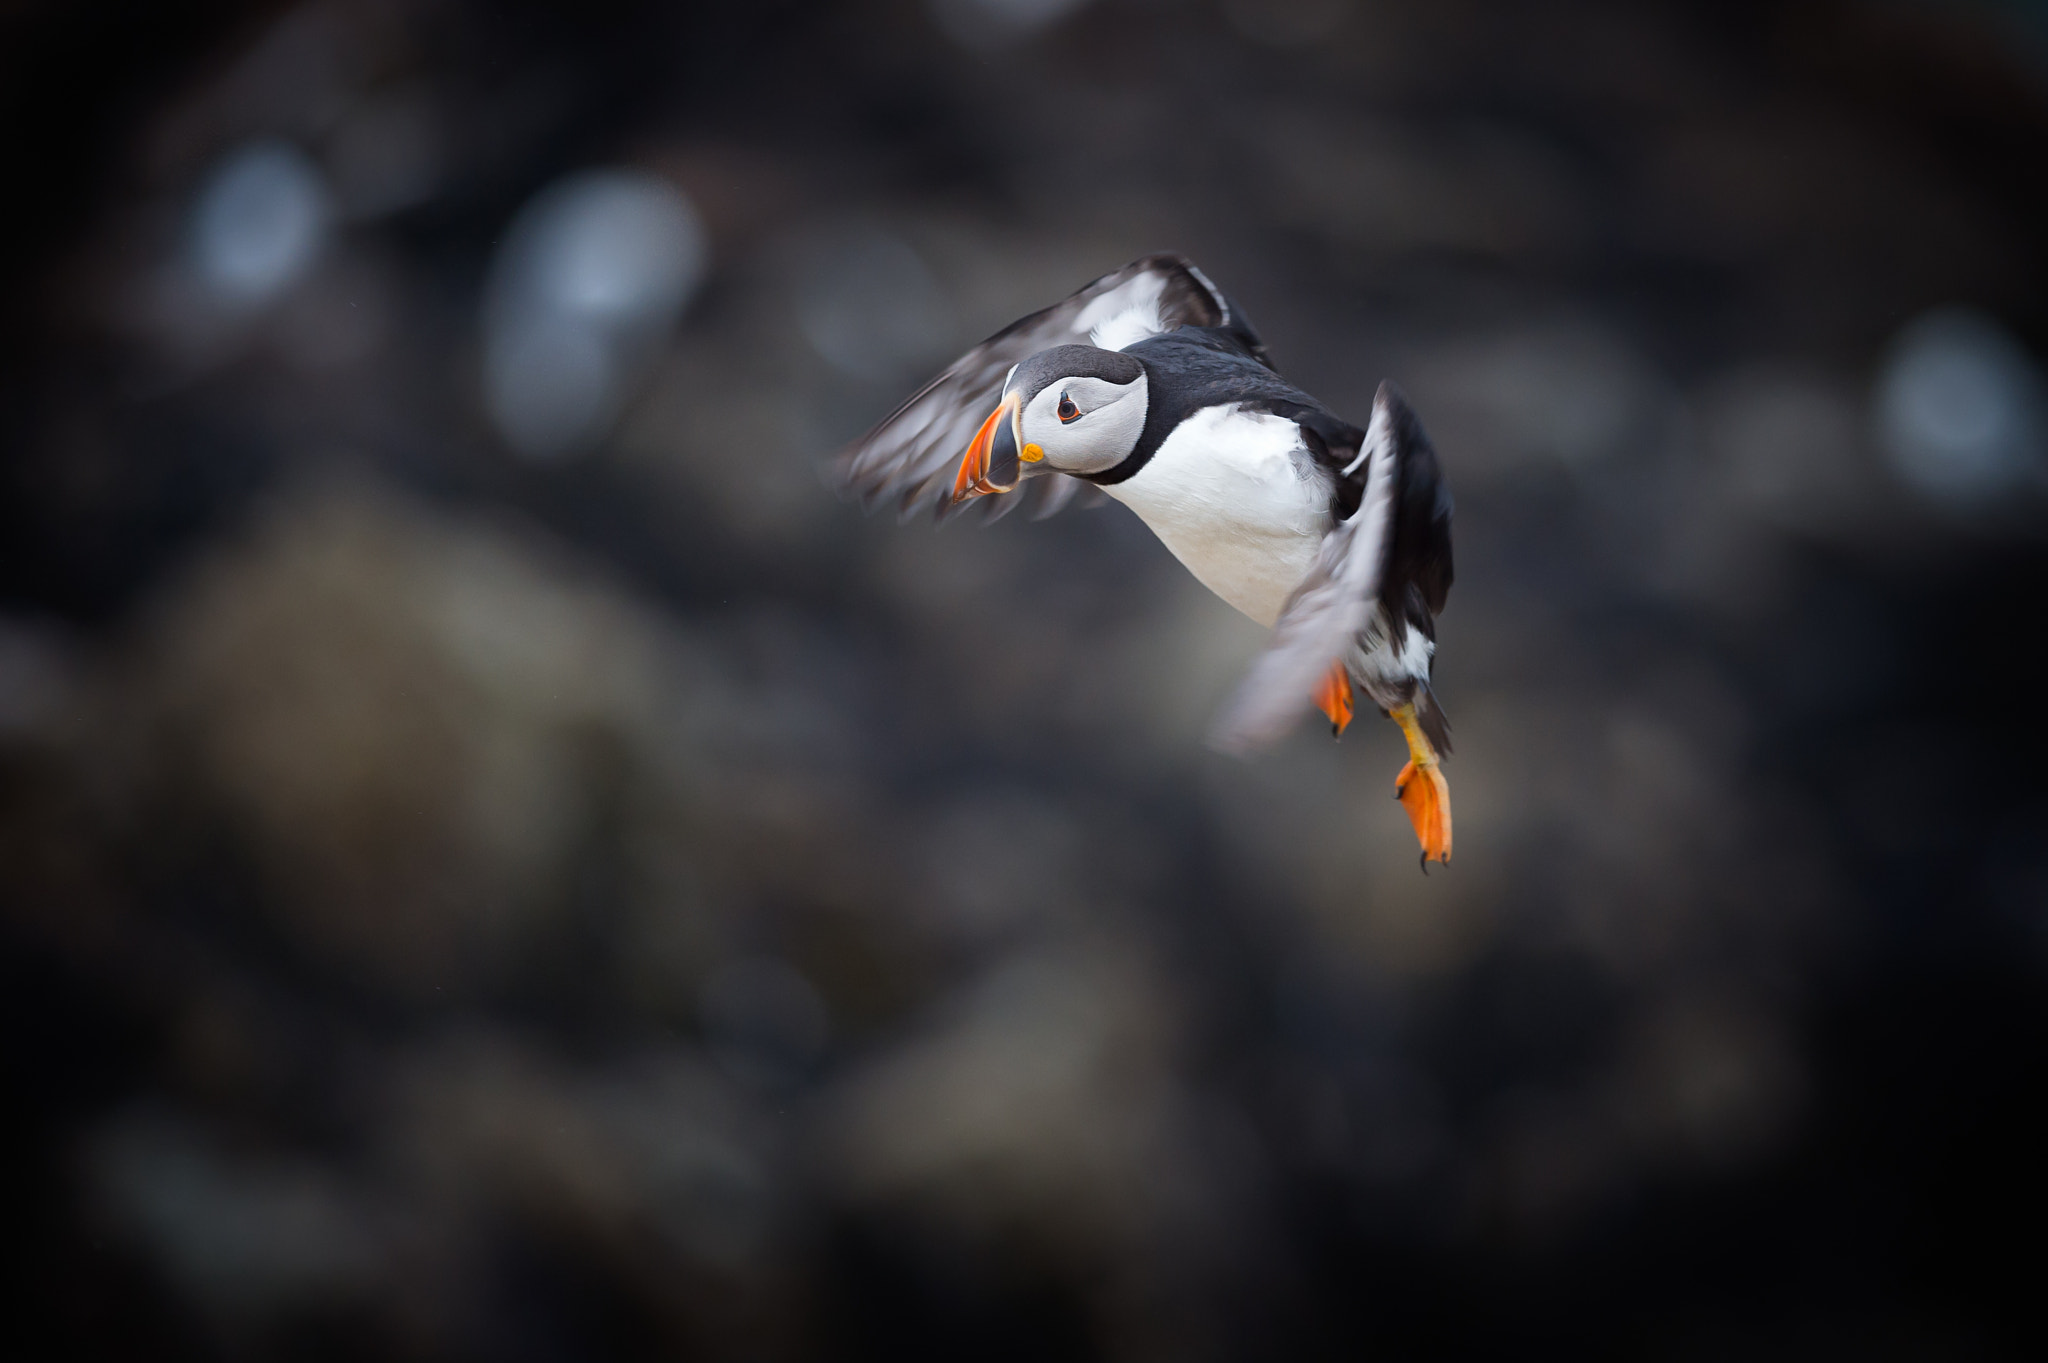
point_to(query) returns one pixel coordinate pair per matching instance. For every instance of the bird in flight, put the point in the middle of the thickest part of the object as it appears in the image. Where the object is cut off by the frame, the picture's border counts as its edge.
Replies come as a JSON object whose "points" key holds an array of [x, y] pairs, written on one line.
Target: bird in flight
{"points": [[1150, 386]]}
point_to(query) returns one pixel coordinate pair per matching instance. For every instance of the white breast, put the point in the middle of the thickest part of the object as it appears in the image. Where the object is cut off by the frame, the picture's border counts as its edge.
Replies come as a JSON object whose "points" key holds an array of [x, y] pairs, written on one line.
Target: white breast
{"points": [[1238, 499]]}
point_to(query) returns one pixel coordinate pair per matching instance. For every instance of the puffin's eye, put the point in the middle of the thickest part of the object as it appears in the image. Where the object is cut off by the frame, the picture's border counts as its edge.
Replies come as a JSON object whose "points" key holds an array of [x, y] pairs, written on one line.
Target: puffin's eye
{"points": [[1068, 411]]}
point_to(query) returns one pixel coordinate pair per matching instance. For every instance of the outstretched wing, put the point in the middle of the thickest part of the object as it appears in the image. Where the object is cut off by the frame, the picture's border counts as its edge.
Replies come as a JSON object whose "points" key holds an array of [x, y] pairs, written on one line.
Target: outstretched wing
{"points": [[910, 457], [1393, 551]]}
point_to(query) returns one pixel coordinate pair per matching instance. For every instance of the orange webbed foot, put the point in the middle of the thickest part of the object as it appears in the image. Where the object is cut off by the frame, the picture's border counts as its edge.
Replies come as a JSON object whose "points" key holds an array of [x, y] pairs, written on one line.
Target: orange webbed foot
{"points": [[1426, 796], [1423, 792], [1333, 698]]}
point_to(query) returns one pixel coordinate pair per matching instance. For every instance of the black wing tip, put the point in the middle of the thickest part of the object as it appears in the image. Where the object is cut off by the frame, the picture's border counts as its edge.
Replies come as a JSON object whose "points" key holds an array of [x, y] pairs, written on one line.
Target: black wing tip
{"points": [[1405, 425], [1155, 259], [1395, 403], [1228, 315], [1423, 530]]}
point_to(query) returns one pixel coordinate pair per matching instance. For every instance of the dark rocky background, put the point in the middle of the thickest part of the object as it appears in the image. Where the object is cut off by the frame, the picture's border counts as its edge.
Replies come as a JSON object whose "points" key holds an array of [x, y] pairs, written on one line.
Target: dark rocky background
{"points": [[497, 862]]}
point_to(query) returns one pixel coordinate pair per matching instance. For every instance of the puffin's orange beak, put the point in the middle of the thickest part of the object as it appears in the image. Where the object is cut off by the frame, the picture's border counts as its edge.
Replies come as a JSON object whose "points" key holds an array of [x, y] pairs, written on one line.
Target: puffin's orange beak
{"points": [[990, 464]]}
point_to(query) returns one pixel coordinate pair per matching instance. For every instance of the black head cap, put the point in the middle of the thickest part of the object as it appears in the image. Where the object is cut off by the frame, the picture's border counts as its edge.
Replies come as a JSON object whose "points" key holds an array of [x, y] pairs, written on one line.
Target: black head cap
{"points": [[1071, 362]]}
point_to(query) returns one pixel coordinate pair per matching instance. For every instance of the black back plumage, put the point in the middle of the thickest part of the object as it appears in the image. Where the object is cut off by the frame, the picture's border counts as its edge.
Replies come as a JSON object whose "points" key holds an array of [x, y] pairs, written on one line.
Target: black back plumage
{"points": [[1198, 367]]}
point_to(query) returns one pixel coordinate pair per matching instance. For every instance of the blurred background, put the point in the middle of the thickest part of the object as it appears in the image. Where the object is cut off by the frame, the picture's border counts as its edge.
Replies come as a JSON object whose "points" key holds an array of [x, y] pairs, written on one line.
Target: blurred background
{"points": [[498, 862]]}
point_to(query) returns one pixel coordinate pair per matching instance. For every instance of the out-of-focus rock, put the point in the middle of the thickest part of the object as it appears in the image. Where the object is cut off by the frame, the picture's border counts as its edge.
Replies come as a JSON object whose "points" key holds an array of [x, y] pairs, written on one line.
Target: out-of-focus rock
{"points": [[765, 1021], [410, 725], [1572, 393], [1790, 450], [1287, 23], [1380, 189], [1034, 1104], [989, 25], [703, 403], [388, 153], [869, 305], [662, 1145], [247, 1236], [35, 677], [1712, 1079]]}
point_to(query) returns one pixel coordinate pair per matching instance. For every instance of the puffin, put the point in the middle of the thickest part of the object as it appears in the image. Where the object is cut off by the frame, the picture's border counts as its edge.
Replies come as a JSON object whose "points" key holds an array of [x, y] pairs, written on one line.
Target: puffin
{"points": [[1151, 388]]}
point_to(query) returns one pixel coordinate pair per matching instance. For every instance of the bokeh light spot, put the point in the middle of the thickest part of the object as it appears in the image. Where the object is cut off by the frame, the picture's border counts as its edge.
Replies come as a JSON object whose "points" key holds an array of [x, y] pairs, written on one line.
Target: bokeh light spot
{"points": [[593, 273], [260, 221], [1959, 407]]}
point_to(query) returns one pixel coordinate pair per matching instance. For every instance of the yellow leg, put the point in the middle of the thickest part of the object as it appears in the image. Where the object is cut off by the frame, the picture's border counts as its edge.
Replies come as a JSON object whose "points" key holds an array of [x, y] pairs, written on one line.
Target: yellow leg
{"points": [[1422, 791]]}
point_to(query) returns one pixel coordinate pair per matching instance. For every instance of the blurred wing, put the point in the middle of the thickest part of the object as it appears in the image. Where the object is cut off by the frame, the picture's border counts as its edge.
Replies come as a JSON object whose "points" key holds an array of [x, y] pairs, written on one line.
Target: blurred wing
{"points": [[910, 458], [1322, 620]]}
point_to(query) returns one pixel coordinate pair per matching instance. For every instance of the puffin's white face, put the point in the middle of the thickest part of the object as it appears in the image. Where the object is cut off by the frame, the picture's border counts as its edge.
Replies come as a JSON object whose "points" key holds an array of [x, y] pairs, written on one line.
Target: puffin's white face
{"points": [[1081, 424], [1071, 409]]}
